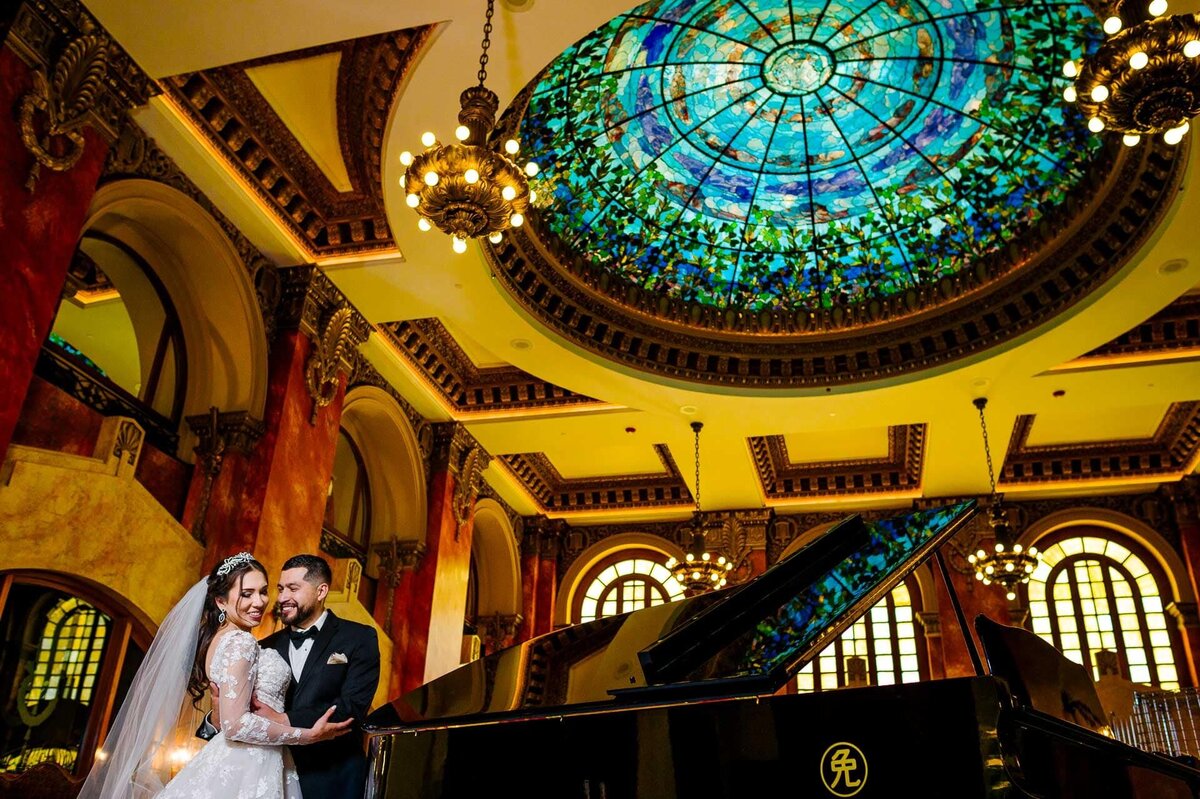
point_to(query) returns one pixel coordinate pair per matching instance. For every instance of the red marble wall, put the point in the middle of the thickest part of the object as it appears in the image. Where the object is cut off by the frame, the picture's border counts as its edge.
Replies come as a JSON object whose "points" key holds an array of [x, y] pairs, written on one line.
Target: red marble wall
{"points": [[38, 234], [165, 477], [529, 586], [976, 599], [546, 582], [53, 419]]}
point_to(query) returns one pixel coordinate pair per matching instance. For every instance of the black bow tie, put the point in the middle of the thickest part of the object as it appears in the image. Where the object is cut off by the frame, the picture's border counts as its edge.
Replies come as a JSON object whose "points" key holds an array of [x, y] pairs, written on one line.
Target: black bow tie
{"points": [[297, 637]]}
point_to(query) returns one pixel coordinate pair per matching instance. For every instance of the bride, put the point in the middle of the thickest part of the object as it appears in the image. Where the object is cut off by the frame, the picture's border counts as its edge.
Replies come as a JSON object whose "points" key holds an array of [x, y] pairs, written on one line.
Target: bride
{"points": [[205, 642]]}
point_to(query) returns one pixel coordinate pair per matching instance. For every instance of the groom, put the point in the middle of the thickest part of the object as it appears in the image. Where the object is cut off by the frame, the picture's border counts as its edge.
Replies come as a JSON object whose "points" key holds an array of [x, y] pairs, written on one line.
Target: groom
{"points": [[334, 662]]}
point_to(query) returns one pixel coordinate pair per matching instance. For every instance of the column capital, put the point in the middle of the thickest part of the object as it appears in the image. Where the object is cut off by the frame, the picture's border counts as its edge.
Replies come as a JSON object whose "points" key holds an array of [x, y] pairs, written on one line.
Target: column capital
{"points": [[397, 557], [931, 621], [218, 432]]}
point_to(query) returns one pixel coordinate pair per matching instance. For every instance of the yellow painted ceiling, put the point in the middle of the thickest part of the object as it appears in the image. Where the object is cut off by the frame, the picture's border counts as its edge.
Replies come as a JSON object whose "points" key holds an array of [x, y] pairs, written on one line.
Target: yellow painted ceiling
{"points": [[429, 280], [1096, 424], [832, 444]]}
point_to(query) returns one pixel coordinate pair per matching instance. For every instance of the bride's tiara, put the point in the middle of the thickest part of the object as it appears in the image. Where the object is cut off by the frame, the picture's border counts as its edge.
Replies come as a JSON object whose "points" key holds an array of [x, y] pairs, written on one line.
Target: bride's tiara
{"points": [[234, 561]]}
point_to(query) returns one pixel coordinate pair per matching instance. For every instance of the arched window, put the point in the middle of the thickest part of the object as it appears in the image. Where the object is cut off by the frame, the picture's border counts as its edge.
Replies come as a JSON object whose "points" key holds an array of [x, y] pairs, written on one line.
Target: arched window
{"points": [[66, 659], [625, 582], [119, 326], [348, 506], [885, 638], [1091, 593]]}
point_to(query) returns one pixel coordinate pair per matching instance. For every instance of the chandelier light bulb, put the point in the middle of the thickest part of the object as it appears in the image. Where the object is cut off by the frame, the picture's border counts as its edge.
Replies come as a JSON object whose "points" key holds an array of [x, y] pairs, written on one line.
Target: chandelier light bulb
{"points": [[1192, 49], [1158, 8], [1011, 595], [459, 245], [1131, 139], [1028, 570], [721, 560], [716, 578], [1033, 552], [1069, 94], [1112, 25], [531, 168], [516, 220], [1100, 93], [1175, 135], [404, 180], [1070, 69], [1017, 548], [406, 158], [1008, 567], [495, 239], [462, 132], [999, 547], [413, 200], [1095, 124], [690, 557], [424, 225], [989, 570], [728, 567], [971, 558], [706, 556], [532, 196], [508, 193], [1138, 60], [471, 176], [978, 575], [428, 139], [511, 146], [431, 178]]}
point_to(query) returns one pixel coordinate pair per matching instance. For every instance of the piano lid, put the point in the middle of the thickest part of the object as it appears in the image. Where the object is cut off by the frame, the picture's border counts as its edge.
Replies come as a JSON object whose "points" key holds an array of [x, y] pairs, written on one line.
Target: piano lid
{"points": [[744, 640]]}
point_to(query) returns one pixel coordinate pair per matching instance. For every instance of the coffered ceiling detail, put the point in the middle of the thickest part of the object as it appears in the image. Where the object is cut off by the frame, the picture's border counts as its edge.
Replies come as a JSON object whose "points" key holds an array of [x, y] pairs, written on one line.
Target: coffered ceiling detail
{"points": [[899, 472], [557, 494], [230, 111], [1169, 453], [1173, 330], [429, 347]]}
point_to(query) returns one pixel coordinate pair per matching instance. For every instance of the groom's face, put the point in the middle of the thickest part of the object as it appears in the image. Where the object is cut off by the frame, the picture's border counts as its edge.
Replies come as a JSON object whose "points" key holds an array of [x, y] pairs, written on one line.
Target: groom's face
{"points": [[300, 602]]}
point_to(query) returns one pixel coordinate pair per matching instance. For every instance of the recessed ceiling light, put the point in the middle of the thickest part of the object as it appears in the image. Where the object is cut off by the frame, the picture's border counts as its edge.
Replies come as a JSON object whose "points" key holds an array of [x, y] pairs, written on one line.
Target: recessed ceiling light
{"points": [[521, 344], [688, 410], [1173, 266]]}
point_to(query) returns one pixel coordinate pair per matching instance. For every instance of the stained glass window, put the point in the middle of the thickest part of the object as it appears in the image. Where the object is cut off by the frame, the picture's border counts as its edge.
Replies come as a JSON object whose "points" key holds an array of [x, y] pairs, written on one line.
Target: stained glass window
{"points": [[628, 585], [885, 638], [768, 153], [1090, 594], [68, 658]]}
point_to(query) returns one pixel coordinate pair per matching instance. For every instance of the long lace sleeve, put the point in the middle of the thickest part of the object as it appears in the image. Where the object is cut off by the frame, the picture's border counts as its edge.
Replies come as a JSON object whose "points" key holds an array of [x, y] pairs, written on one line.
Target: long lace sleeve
{"points": [[234, 669]]}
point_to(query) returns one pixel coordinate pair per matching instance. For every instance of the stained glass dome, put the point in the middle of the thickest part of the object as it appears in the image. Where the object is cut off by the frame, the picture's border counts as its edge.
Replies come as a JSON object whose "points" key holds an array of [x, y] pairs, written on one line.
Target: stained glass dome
{"points": [[767, 154]]}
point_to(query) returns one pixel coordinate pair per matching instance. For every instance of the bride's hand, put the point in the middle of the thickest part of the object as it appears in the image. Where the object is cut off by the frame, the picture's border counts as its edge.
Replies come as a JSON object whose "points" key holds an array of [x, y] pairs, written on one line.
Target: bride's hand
{"points": [[325, 729]]}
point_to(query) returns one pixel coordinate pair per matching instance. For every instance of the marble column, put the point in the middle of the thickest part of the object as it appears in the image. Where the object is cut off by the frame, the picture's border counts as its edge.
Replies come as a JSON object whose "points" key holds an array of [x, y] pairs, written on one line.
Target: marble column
{"points": [[270, 500], [398, 561], [529, 580], [55, 131], [437, 601]]}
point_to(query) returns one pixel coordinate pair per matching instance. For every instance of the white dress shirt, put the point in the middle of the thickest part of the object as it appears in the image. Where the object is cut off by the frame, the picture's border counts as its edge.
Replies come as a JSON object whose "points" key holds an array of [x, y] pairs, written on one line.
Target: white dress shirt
{"points": [[298, 655]]}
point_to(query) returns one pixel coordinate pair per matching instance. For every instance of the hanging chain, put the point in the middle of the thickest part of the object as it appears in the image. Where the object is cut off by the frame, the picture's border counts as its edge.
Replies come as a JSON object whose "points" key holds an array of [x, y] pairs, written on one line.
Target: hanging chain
{"points": [[981, 403], [696, 426], [487, 42]]}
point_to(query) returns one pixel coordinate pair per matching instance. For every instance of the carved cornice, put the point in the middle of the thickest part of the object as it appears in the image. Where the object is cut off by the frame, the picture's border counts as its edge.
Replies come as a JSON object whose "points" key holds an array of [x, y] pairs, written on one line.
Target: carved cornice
{"points": [[898, 472], [1165, 454], [231, 113], [1045, 271], [46, 32], [557, 494], [135, 155], [429, 346], [1175, 328], [235, 431]]}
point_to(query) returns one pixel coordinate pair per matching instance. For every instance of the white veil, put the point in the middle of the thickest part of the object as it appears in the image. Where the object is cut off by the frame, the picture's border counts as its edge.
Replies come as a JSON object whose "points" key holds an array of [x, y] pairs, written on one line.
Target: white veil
{"points": [[132, 764]]}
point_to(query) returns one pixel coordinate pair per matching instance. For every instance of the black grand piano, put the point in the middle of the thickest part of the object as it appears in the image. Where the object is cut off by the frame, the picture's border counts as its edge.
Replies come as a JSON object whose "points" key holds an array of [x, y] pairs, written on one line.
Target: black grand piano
{"points": [[683, 700]]}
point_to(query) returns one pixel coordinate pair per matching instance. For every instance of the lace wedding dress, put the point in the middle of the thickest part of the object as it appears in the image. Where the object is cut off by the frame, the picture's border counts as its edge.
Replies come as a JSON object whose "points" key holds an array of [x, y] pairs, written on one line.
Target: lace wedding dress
{"points": [[248, 758]]}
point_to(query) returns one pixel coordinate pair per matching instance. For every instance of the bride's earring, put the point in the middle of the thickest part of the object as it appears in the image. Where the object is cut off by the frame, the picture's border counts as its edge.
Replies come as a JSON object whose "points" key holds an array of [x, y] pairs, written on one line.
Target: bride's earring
{"points": [[221, 616]]}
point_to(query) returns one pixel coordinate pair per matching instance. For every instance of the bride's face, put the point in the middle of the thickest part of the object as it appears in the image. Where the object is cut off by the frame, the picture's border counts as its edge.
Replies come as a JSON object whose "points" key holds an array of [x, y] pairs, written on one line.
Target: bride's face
{"points": [[246, 602]]}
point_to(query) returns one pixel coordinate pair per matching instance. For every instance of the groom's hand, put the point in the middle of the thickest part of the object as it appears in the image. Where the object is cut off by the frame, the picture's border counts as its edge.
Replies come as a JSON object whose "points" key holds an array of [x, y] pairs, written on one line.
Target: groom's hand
{"points": [[267, 713]]}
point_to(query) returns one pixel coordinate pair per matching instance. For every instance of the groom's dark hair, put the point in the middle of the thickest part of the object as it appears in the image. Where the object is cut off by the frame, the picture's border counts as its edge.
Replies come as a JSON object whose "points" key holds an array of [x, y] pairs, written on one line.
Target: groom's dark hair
{"points": [[316, 569]]}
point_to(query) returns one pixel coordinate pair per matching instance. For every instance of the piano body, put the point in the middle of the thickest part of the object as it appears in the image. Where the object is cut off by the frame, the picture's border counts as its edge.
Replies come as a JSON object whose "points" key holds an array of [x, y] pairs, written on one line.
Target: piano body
{"points": [[683, 700]]}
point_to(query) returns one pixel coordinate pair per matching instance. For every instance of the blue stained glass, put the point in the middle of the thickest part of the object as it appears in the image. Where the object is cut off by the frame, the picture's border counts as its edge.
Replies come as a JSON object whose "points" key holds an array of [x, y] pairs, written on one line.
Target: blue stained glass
{"points": [[773, 154]]}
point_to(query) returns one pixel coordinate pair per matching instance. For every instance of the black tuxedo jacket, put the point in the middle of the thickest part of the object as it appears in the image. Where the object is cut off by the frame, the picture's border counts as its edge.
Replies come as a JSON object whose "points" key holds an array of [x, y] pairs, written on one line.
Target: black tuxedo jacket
{"points": [[342, 669]]}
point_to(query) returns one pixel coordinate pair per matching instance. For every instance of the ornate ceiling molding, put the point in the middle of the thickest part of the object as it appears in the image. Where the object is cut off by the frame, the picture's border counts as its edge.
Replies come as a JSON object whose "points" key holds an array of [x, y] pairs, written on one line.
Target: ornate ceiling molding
{"points": [[557, 494], [1034, 279], [1167, 454], [898, 473], [228, 109], [1174, 329], [430, 348]]}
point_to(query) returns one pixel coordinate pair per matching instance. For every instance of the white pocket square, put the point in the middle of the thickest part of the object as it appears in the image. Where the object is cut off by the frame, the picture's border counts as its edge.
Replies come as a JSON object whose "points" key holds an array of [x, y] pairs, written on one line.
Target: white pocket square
{"points": [[335, 658]]}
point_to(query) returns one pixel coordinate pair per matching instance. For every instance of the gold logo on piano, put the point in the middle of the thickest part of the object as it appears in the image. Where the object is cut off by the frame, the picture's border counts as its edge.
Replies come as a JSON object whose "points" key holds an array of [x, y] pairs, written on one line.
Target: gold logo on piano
{"points": [[844, 769]]}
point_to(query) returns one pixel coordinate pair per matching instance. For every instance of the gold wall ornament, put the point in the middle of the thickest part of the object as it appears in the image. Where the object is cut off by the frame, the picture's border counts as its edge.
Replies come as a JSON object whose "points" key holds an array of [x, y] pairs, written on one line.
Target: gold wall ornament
{"points": [[53, 114], [128, 442], [473, 459], [331, 349], [1145, 77]]}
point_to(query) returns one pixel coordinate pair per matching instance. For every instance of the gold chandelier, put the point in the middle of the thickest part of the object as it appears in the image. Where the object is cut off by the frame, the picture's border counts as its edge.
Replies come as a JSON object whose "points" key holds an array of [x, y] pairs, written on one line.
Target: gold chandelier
{"points": [[699, 571], [1008, 564], [1145, 77], [468, 189]]}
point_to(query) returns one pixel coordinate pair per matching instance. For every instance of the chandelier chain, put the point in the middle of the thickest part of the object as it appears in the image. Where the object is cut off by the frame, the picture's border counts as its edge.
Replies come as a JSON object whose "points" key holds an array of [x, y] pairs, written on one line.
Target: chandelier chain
{"points": [[487, 42], [987, 448], [696, 427]]}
